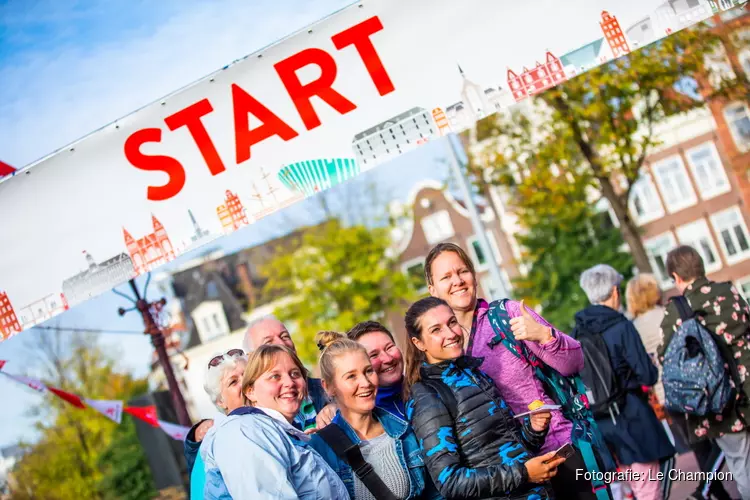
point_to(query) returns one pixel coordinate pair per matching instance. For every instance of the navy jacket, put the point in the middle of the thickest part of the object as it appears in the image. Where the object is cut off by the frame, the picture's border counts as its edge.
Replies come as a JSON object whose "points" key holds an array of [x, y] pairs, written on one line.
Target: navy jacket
{"points": [[319, 400], [482, 452], [636, 436]]}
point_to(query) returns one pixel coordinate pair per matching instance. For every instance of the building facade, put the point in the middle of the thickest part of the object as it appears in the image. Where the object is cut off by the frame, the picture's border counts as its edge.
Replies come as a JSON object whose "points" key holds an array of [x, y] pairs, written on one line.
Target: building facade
{"points": [[232, 213], [151, 250], [538, 79], [614, 35], [42, 310], [9, 323], [476, 103], [98, 277]]}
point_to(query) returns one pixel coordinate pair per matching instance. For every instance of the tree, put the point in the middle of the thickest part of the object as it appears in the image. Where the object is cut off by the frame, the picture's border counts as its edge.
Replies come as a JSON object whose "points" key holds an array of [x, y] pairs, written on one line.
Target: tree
{"points": [[337, 277], [600, 126], [65, 462], [126, 471]]}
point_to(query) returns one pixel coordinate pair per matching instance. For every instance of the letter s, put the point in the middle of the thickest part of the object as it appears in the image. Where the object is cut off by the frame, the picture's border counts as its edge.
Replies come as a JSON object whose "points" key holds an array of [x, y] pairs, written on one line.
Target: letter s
{"points": [[166, 164]]}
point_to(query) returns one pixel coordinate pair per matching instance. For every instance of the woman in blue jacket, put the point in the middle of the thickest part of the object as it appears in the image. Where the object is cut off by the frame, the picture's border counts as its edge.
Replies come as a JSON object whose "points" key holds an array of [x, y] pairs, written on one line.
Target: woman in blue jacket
{"points": [[385, 442]]}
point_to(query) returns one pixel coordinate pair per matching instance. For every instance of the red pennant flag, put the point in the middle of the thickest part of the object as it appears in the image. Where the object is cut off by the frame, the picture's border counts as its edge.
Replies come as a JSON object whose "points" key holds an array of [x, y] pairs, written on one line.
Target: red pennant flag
{"points": [[178, 432], [2, 363], [5, 169], [66, 396], [110, 409], [145, 413]]}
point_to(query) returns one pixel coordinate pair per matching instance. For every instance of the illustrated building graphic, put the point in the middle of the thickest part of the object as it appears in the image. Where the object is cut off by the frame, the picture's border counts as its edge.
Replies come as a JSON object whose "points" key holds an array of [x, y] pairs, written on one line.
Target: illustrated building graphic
{"points": [[9, 324], [312, 176], [614, 35], [475, 103], [443, 125], [232, 214], [98, 278], [42, 309], [533, 81], [151, 250], [393, 137], [198, 232], [667, 18]]}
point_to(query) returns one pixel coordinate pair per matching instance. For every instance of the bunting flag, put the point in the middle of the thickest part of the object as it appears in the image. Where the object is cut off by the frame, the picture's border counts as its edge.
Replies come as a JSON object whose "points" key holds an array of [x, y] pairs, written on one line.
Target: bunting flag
{"points": [[67, 396], [5, 169], [178, 432], [35, 384], [110, 409], [145, 413], [2, 363]]}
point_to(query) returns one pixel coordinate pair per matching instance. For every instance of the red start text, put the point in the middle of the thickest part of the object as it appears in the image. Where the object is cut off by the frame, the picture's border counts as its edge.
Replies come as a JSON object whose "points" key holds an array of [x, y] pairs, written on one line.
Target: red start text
{"points": [[270, 124]]}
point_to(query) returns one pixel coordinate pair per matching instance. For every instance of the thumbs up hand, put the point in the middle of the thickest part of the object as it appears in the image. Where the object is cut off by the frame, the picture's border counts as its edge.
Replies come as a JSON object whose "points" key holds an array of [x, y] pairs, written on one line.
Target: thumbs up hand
{"points": [[525, 327]]}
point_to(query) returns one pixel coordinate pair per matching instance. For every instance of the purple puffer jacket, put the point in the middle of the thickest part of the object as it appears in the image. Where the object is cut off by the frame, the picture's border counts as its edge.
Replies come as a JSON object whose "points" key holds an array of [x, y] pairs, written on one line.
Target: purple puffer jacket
{"points": [[515, 378]]}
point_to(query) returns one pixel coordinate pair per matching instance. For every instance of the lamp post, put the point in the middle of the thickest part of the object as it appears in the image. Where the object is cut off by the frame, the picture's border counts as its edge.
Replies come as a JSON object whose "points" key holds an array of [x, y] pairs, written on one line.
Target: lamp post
{"points": [[158, 341]]}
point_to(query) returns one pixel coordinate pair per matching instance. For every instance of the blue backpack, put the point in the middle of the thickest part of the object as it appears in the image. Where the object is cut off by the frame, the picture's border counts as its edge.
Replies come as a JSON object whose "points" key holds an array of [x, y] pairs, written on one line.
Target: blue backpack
{"points": [[695, 375]]}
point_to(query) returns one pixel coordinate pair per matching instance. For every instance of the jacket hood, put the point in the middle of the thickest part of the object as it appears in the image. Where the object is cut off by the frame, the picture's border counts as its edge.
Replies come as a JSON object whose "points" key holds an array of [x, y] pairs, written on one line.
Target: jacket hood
{"points": [[596, 319]]}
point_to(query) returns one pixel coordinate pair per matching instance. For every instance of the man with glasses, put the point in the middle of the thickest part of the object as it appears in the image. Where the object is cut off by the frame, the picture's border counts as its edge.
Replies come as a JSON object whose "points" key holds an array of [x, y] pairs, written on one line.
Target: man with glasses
{"points": [[315, 411]]}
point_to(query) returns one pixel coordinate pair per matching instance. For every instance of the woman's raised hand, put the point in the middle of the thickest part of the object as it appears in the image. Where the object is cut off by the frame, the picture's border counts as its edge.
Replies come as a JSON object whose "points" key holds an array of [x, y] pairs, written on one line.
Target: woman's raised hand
{"points": [[525, 327]]}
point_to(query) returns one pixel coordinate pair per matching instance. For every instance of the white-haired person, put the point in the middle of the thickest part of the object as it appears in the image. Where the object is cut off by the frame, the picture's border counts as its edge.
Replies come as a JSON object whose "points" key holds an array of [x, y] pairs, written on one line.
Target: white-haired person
{"points": [[223, 383], [256, 451], [313, 413], [628, 423]]}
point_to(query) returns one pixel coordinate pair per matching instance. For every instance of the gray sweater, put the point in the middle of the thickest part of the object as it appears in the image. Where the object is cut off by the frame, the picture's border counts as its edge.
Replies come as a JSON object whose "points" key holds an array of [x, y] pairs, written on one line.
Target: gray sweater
{"points": [[380, 452]]}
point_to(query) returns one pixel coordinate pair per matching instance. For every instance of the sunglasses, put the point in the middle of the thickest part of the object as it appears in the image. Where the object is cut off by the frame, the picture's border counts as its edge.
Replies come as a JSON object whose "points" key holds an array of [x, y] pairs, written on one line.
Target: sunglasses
{"points": [[217, 360]]}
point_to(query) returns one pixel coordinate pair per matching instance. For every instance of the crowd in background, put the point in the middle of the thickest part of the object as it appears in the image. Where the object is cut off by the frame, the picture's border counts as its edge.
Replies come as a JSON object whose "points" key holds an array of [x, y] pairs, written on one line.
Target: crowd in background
{"points": [[486, 400]]}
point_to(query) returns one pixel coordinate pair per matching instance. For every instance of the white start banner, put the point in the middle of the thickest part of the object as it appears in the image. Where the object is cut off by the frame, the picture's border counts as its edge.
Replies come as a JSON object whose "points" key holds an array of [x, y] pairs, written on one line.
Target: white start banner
{"points": [[369, 83]]}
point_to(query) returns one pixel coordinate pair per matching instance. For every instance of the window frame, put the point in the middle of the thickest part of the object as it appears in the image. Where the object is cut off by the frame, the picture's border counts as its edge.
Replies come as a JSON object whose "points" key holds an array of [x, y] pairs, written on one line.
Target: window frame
{"points": [[494, 248], [684, 201], [405, 266], [711, 241], [648, 180], [738, 284], [738, 141], [741, 254], [666, 284], [714, 192], [435, 216]]}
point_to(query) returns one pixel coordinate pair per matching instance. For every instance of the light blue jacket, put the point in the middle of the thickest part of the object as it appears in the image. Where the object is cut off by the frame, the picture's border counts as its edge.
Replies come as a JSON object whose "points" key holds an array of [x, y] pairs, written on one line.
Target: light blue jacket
{"points": [[407, 448], [252, 456]]}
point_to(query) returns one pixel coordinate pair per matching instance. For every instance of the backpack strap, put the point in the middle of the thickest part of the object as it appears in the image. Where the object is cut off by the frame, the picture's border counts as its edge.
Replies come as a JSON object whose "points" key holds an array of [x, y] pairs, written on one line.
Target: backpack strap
{"points": [[445, 394], [683, 307], [348, 451]]}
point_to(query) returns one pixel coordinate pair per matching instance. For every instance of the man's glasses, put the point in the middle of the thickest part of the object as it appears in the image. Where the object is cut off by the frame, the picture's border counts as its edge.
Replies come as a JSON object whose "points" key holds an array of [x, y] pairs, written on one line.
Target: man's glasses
{"points": [[217, 360]]}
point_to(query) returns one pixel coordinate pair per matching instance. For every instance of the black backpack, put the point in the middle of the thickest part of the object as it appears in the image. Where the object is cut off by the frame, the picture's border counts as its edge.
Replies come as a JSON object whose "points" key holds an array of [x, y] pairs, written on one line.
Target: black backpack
{"points": [[603, 389]]}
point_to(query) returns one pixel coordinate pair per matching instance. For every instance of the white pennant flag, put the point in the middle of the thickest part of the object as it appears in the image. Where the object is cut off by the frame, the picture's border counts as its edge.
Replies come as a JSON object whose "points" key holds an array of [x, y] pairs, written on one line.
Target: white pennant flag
{"points": [[110, 409], [178, 432], [35, 384]]}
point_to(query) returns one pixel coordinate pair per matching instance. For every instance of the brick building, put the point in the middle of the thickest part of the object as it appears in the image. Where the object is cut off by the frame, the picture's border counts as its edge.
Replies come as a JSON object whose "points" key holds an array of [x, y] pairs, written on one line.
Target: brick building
{"points": [[151, 250], [9, 324]]}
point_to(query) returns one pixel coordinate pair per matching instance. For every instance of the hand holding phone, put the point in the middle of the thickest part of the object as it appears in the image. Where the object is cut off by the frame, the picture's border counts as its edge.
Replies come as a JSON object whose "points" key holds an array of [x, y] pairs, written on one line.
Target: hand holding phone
{"points": [[565, 451]]}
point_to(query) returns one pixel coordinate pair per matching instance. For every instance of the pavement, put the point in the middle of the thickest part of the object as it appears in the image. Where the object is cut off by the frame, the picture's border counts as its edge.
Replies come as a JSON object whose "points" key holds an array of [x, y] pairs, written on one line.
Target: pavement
{"points": [[681, 489]]}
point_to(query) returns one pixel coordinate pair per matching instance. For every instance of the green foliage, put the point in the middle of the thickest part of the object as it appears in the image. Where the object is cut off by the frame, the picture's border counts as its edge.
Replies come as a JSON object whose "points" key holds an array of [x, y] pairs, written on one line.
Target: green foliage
{"points": [[67, 460], [338, 277], [126, 472]]}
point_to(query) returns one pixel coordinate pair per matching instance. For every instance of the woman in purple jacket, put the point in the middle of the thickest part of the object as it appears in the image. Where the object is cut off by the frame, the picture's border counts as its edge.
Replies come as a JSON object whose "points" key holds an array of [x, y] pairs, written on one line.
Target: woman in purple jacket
{"points": [[451, 276]]}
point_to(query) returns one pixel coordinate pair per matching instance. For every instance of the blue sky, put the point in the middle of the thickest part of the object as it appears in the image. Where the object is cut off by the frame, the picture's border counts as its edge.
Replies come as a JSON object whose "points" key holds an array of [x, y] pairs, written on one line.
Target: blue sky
{"points": [[69, 67]]}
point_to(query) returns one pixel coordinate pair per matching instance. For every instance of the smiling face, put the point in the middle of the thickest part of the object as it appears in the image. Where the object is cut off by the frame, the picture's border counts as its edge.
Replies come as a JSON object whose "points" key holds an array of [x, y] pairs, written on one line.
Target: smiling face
{"points": [[385, 357], [441, 338], [270, 331], [453, 281], [281, 388], [354, 383], [231, 388]]}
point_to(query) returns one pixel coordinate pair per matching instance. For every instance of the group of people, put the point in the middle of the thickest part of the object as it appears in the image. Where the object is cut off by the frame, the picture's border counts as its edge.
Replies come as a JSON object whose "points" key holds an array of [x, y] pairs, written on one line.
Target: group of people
{"points": [[485, 401]]}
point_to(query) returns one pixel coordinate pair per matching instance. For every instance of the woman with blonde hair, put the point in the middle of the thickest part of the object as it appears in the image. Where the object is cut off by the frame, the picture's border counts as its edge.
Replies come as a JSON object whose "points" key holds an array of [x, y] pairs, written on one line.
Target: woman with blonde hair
{"points": [[256, 452], [375, 453]]}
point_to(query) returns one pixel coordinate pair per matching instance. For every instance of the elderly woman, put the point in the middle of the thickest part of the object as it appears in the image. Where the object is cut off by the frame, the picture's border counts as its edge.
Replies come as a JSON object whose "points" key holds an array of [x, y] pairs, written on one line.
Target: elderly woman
{"points": [[256, 452], [630, 427]]}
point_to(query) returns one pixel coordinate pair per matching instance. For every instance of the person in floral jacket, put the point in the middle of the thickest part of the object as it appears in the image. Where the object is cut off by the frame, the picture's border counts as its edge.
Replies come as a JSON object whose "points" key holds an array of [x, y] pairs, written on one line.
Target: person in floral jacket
{"points": [[722, 310]]}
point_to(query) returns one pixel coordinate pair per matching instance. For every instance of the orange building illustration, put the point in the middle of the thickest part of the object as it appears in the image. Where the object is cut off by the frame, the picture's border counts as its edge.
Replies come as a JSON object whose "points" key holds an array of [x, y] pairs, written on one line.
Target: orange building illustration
{"points": [[232, 214], [539, 79], [9, 324], [614, 35], [441, 121], [150, 251]]}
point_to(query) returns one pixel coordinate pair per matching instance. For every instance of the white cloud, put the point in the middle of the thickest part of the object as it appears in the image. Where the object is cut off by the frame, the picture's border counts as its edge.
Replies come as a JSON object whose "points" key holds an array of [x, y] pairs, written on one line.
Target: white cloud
{"points": [[53, 97]]}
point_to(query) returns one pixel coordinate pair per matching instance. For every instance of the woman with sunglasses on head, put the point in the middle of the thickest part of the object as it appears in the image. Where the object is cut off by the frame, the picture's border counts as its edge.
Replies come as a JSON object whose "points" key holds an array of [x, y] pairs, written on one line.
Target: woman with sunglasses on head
{"points": [[528, 359], [363, 437], [473, 446], [257, 452]]}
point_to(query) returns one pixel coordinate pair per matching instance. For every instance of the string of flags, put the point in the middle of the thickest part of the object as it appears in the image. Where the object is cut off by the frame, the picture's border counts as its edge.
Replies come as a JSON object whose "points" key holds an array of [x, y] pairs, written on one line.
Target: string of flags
{"points": [[112, 409]]}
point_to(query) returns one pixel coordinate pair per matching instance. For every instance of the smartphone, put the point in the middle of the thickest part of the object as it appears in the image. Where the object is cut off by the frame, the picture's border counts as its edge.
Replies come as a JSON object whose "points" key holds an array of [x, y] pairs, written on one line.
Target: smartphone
{"points": [[565, 451]]}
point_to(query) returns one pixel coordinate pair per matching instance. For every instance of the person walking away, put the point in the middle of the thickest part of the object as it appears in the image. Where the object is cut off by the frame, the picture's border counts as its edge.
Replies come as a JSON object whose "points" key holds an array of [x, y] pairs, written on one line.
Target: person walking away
{"points": [[619, 366], [362, 434], [722, 311]]}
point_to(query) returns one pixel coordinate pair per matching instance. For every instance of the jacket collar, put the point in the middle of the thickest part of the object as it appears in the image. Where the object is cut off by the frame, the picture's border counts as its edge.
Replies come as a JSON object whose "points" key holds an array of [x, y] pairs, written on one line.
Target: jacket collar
{"points": [[393, 426], [436, 371], [245, 410], [696, 285]]}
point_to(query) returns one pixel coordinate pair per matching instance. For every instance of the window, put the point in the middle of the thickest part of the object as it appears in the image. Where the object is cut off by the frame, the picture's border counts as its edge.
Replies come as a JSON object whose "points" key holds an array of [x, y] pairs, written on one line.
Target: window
{"points": [[731, 230], [644, 201], [414, 270], [708, 170], [738, 120], [674, 184], [477, 253], [743, 285], [697, 235], [437, 227], [657, 249]]}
